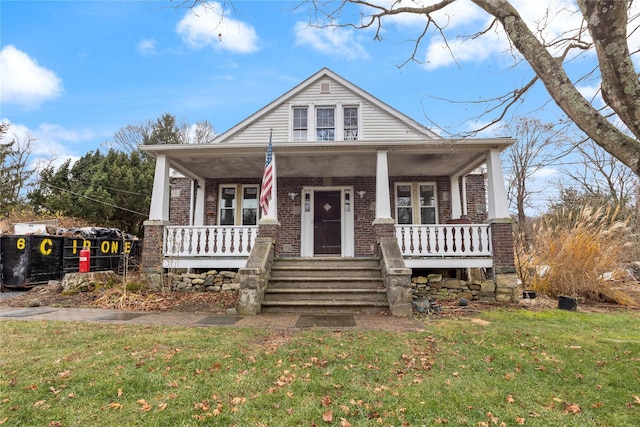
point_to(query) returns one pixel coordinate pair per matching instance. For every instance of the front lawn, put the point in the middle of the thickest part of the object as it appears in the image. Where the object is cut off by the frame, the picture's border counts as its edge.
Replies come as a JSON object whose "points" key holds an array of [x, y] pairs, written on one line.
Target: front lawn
{"points": [[504, 367]]}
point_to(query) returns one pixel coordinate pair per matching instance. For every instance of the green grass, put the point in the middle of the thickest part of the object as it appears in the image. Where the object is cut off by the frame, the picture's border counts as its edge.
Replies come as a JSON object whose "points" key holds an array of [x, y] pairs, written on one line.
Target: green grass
{"points": [[507, 366]]}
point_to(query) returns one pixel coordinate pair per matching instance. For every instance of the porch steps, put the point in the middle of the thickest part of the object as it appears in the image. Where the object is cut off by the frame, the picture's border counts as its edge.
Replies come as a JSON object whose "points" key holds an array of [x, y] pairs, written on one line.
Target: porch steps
{"points": [[325, 286]]}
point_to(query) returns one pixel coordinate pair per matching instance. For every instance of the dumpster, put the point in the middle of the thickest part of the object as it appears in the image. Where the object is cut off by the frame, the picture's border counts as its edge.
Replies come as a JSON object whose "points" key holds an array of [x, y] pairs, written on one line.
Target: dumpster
{"points": [[30, 260]]}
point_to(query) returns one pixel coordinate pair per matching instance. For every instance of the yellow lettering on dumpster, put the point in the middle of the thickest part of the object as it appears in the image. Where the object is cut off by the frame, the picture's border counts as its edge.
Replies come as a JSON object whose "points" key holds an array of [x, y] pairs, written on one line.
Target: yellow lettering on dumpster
{"points": [[127, 246], [21, 243], [45, 247]]}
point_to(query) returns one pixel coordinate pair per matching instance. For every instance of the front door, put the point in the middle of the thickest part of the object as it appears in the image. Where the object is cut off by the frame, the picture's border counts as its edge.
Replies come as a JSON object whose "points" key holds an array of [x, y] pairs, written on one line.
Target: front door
{"points": [[327, 223]]}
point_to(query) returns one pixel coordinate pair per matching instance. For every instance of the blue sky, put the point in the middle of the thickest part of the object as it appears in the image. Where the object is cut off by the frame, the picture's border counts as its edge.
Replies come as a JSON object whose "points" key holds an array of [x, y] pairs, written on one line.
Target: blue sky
{"points": [[74, 72]]}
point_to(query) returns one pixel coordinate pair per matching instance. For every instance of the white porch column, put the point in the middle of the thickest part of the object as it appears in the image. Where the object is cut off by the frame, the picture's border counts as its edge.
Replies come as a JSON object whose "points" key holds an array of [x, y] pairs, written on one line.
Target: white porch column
{"points": [[498, 206], [383, 203], [456, 206], [197, 216], [159, 209]]}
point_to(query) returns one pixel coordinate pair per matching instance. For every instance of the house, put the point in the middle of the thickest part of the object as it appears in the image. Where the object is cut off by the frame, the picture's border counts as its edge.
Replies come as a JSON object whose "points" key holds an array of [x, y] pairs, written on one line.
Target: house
{"points": [[354, 181]]}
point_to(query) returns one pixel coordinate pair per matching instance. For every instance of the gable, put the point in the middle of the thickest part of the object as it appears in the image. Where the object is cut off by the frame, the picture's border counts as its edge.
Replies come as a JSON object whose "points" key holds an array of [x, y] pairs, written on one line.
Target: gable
{"points": [[376, 121]]}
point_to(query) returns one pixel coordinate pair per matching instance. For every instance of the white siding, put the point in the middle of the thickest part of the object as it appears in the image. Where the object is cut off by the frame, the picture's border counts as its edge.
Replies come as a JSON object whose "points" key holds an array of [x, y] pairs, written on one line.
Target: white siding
{"points": [[376, 123]]}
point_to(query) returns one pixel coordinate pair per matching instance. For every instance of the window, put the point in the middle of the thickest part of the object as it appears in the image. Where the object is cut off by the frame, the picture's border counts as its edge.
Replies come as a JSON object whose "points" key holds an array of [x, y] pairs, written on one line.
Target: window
{"points": [[300, 124], [227, 206], [248, 205], [350, 123], [403, 204], [325, 124], [427, 204], [416, 210]]}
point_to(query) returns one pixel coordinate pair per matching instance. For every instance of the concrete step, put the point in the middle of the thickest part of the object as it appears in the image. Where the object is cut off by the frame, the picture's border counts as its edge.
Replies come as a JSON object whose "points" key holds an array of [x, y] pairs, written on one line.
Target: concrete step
{"points": [[327, 282], [325, 285], [324, 307]]}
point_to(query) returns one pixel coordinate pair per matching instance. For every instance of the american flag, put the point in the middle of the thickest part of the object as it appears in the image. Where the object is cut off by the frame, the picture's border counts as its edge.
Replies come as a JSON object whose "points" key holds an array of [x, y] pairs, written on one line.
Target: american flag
{"points": [[267, 180]]}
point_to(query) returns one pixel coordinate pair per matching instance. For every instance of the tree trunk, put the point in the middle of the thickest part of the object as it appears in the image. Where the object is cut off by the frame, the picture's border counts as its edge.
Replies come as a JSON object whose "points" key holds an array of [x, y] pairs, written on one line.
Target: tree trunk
{"points": [[560, 87]]}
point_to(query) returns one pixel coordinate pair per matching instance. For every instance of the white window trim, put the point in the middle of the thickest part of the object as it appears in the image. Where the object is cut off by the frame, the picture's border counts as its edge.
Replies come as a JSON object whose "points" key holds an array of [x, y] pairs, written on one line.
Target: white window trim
{"points": [[239, 199], [415, 200], [338, 116]]}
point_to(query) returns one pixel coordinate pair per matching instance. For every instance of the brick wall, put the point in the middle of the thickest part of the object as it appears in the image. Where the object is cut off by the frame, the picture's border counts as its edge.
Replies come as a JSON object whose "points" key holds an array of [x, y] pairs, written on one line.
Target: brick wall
{"points": [[179, 202], [502, 242], [289, 212], [476, 199]]}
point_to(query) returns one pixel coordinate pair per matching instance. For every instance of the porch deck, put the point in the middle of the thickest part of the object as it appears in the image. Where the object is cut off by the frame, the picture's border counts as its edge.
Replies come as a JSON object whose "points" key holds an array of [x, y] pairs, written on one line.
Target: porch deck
{"points": [[422, 246]]}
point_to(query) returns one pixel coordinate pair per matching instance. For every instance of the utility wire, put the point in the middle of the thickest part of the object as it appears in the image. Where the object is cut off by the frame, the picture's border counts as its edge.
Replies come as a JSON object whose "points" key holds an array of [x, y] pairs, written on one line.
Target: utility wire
{"points": [[111, 188], [95, 200]]}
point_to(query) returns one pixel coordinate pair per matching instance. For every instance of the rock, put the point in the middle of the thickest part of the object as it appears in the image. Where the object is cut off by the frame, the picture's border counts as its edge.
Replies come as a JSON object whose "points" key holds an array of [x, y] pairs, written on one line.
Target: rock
{"points": [[420, 279], [34, 303], [434, 278], [230, 286], [451, 284], [73, 283], [231, 312], [212, 273], [229, 274], [197, 282], [487, 286]]}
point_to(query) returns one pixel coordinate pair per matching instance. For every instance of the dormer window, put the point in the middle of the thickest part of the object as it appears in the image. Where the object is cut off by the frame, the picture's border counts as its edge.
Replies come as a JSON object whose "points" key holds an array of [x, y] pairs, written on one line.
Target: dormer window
{"points": [[325, 124], [300, 123], [338, 122], [350, 123]]}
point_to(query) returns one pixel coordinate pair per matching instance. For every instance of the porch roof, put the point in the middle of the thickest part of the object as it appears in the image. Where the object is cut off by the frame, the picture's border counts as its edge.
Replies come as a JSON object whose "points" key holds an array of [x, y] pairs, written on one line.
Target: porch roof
{"points": [[329, 159]]}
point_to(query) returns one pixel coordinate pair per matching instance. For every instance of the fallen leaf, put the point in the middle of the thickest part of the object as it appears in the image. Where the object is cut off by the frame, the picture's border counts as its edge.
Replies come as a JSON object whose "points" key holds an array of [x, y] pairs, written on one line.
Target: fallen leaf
{"points": [[636, 399], [115, 405], [64, 374], [238, 400], [520, 420], [344, 423], [162, 406], [55, 424], [327, 416], [4, 420], [571, 408], [326, 401], [510, 398], [119, 392]]}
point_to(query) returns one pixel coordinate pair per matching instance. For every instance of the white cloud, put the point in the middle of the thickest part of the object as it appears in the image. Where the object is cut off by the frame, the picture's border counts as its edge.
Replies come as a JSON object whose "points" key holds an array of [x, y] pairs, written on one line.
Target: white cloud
{"points": [[549, 20], [24, 82], [335, 41], [544, 173], [210, 25], [147, 47], [50, 141]]}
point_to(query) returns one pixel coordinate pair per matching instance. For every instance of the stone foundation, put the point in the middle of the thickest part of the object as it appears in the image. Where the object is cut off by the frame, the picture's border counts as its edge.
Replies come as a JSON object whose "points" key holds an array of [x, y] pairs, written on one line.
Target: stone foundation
{"points": [[210, 281], [476, 288]]}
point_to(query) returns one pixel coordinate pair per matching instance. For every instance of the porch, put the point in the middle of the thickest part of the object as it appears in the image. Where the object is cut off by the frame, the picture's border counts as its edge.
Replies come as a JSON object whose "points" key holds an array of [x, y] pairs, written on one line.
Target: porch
{"points": [[422, 246]]}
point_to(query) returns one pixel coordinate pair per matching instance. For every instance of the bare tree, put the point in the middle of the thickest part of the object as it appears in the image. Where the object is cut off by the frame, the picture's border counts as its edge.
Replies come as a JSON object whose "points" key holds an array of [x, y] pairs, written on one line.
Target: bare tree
{"points": [[165, 130], [532, 152], [598, 174], [603, 29]]}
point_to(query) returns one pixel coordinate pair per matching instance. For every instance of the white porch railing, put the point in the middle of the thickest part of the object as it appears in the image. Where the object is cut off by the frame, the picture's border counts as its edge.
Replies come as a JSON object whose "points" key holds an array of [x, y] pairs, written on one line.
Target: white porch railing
{"points": [[209, 241], [444, 240]]}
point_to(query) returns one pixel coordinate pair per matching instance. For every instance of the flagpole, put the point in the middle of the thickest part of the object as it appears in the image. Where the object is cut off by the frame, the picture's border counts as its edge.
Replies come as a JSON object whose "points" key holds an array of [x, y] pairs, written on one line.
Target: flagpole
{"points": [[270, 193]]}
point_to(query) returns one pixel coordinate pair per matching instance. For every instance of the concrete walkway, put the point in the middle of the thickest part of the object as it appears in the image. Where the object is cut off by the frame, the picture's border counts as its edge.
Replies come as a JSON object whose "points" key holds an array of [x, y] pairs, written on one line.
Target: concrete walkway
{"points": [[282, 321]]}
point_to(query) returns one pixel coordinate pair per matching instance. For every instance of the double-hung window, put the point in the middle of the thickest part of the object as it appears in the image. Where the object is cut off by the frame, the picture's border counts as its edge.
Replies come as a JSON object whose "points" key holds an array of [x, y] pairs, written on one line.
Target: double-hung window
{"points": [[300, 123], [416, 203], [325, 124], [238, 205], [350, 123]]}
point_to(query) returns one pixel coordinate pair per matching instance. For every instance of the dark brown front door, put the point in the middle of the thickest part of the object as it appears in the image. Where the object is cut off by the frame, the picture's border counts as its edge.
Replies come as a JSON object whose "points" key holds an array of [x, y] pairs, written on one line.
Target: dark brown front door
{"points": [[327, 228]]}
